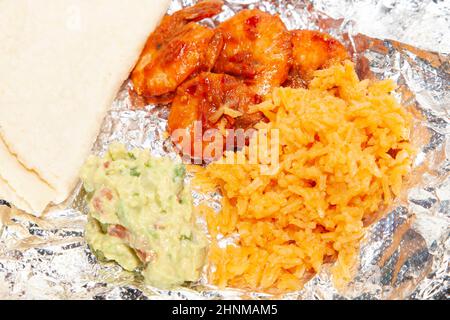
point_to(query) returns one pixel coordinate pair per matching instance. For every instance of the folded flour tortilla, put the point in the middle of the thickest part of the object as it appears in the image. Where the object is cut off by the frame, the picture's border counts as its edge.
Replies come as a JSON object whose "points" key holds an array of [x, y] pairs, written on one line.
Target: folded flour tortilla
{"points": [[61, 65], [24, 181], [7, 193]]}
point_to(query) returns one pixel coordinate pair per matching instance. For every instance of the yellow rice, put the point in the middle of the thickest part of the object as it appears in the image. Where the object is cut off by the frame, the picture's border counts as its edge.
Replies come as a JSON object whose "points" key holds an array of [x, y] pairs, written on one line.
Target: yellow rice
{"points": [[344, 150]]}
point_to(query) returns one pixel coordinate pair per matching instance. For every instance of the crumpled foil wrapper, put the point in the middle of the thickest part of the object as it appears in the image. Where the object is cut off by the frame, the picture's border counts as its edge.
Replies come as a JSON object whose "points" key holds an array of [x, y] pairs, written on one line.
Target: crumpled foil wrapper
{"points": [[405, 253]]}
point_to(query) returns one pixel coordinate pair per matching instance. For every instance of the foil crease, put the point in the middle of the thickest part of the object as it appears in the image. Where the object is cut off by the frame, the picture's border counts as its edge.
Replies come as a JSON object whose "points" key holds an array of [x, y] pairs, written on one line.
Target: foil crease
{"points": [[405, 253]]}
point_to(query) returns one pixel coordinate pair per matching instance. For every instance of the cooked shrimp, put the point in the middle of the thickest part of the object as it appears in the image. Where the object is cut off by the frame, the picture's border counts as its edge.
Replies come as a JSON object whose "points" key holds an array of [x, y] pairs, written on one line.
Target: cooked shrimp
{"points": [[257, 49], [312, 50], [178, 48], [206, 99]]}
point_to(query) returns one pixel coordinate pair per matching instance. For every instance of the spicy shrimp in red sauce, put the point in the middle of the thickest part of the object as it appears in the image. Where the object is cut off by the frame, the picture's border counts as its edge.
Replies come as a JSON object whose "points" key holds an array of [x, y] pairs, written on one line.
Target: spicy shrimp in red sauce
{"points": [[178, 48], [257, 49], [311, 51], [213, 101]]}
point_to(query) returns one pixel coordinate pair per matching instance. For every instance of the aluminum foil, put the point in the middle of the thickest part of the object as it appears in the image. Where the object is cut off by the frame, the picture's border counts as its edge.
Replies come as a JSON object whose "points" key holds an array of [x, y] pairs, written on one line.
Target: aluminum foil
{"points": [[405, 253]]}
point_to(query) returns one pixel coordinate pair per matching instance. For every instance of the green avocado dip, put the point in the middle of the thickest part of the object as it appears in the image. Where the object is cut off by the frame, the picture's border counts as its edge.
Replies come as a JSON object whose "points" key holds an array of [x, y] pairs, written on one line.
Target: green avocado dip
{"points": [[140, 215]]}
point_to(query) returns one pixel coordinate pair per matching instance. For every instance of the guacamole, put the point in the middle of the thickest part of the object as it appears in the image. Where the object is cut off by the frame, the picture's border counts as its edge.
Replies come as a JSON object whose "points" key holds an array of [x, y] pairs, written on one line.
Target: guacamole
{"points": [[140, 215]]}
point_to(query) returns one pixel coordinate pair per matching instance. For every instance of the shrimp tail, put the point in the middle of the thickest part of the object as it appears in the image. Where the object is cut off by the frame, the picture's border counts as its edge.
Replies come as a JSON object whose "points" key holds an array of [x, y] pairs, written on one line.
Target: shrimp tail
{"points": [[201, 10]]}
